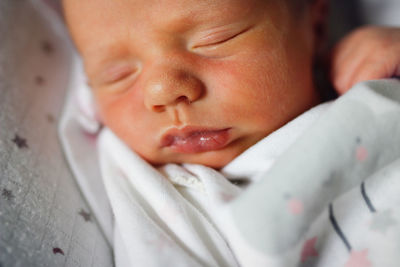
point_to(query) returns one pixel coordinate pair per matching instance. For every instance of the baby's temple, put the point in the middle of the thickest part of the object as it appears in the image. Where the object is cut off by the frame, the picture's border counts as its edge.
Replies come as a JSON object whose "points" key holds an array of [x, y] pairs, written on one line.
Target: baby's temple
{"points": [[200, 133]]}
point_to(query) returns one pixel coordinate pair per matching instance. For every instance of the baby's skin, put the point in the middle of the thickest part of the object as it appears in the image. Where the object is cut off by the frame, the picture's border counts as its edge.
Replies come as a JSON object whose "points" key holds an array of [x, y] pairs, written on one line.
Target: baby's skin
{"points": [[368, 53], [196, 81], [200, 81]]}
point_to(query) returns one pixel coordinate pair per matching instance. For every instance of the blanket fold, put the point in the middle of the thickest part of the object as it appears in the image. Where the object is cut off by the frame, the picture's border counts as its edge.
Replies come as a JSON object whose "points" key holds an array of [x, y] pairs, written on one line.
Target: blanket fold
{"points": [[326, 198]]}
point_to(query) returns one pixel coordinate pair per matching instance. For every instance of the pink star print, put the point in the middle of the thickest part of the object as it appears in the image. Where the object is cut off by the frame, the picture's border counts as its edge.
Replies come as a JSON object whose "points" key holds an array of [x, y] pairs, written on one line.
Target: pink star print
{"points": [[226, 197], [358, 259], [309, 250], [295, 206], [361, 153], [159, 243]]}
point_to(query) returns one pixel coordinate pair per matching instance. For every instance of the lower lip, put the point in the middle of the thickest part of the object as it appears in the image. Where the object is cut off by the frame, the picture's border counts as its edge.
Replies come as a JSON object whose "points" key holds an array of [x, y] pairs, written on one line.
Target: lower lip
{"points": [[199, 141]]}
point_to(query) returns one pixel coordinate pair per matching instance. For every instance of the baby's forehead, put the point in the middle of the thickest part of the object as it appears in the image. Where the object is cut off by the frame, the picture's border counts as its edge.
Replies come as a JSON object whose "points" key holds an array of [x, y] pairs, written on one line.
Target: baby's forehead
{"points": [[155, 11], [90, 20]]}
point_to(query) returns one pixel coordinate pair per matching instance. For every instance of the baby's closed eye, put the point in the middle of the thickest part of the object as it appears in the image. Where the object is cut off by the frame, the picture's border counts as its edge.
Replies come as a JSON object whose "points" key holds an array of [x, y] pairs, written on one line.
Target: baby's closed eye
{"points": [[216, 39], [115, 74], [219, 37]]}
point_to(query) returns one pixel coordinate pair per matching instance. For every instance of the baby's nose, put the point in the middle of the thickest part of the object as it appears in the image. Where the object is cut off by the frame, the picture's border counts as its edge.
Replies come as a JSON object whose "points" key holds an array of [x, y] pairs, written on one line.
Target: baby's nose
{"points": [[168, 87]]}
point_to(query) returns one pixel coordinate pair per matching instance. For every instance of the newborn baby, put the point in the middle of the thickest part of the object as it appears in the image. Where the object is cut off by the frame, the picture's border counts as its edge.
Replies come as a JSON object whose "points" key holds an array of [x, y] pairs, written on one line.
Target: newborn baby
{"points": [[201, 82]]}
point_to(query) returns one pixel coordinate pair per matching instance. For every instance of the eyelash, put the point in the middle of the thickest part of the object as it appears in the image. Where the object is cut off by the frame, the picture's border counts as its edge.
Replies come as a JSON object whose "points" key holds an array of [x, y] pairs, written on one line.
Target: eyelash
{"points": [[223, 40], [120, 76]]}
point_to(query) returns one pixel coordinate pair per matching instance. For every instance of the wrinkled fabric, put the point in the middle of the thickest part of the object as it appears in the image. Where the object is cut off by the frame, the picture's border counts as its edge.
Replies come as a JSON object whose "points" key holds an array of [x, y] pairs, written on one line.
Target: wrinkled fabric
{"points": [[175, 212], [327, 198]]}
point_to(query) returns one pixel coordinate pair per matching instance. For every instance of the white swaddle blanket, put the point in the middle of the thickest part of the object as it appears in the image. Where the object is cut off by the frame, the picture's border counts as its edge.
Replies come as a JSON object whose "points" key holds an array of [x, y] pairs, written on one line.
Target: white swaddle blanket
{"points": [[175, 215], [324, 192]]}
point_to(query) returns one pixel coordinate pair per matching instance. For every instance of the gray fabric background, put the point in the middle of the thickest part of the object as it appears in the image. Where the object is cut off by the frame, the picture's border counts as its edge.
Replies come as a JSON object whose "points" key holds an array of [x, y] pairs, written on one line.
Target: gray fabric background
{"points": [[44, 220]]}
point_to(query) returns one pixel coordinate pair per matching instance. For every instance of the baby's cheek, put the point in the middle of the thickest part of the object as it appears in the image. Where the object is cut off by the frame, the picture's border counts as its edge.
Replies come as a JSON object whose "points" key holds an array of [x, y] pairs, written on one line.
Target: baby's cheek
{"points": [[118, 112]]}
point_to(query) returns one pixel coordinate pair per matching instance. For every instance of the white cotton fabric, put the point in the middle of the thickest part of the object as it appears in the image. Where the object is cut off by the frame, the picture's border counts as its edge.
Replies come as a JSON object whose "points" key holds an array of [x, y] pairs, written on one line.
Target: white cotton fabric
{"points": [[175, 215], [78, 131]]}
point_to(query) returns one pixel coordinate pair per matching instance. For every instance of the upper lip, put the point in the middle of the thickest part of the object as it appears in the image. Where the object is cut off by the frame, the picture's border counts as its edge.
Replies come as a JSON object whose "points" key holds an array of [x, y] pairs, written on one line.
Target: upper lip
{"points": [[168, 137]]}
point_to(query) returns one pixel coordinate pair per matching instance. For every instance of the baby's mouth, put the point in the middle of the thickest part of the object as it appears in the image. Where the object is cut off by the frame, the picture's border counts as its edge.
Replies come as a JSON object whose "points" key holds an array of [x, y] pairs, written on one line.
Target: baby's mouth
{"points": [[192, 140]]}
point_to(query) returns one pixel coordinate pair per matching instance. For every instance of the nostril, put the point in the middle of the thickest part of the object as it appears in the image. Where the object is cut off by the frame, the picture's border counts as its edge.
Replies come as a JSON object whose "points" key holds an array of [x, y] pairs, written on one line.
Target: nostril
{"points": [[180, 99], [183, 98], [158, 108]]}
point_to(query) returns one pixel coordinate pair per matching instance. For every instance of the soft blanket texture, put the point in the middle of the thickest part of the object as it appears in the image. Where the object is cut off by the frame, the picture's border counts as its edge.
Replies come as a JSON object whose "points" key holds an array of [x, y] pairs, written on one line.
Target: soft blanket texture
{"points": [[327, 198], [174, 215], [331, 199], [44, 218]]}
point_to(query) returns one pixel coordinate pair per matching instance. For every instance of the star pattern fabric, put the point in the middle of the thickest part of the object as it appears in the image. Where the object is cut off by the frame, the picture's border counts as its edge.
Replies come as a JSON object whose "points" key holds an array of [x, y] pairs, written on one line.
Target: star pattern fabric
{"points": [[39, 80], [7, 194], [20, 142], [85, 215], [47, 48], [58, 251], [295, 206], [358, 259], [309, 250], [50, 118], [361, 153]]}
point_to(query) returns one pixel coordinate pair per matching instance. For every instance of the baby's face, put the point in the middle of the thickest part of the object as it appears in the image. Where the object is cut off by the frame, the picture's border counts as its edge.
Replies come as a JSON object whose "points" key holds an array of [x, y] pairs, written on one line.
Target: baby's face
{"points": [[195, 81]]}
